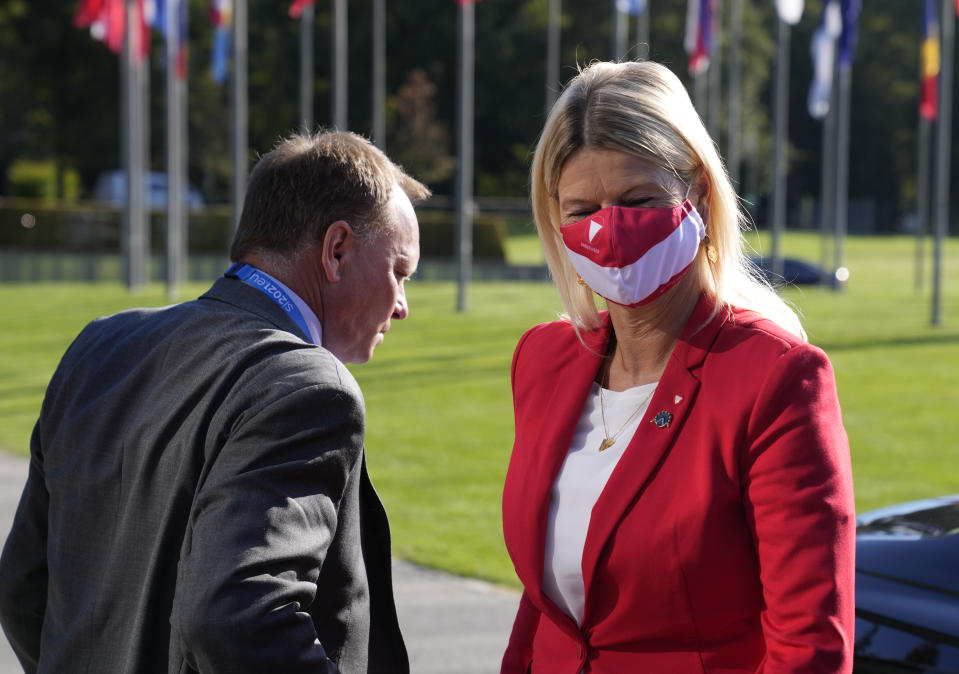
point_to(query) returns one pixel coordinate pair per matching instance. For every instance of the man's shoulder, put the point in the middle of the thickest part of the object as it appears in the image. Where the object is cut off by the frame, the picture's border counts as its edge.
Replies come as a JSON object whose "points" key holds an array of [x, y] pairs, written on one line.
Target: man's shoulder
{"points": [[296, 364], [217, 340]]}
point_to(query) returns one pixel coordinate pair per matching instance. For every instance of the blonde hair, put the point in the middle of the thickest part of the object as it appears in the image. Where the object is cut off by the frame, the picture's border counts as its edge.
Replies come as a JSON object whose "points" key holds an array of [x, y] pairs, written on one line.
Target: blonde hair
{"points": [[643, 109]]}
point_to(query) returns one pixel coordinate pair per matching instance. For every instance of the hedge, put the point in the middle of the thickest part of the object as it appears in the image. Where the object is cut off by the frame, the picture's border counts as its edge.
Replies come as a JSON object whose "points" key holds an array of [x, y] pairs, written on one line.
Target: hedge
{"points": [[438, 235], [32, 225]]}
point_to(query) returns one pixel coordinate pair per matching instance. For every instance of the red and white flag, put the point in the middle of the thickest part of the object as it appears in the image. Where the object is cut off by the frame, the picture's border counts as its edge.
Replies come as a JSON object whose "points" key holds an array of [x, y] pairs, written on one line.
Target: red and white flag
{"points": [[106, 20], [297, 7], [699, 34]]}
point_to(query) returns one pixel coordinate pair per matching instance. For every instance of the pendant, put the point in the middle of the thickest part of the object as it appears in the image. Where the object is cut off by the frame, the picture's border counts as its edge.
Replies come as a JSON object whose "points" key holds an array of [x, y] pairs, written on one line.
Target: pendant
{"points": [[606, 444]]}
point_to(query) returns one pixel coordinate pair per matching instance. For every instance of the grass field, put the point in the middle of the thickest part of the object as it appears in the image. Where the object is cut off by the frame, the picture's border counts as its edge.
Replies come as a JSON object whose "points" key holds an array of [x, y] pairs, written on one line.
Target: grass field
{"points": [[440, 422]]}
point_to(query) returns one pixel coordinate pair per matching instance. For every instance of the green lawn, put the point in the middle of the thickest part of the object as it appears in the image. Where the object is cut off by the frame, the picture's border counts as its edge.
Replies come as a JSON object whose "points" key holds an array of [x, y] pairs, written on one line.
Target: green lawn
{"points": [[437, 392]]}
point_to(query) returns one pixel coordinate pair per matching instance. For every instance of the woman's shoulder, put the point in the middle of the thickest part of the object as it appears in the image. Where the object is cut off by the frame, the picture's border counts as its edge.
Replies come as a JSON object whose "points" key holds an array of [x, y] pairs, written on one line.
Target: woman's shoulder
{"points": [[558, 329], [762, 339], [562, 334], [749, 324], [555, 342]]}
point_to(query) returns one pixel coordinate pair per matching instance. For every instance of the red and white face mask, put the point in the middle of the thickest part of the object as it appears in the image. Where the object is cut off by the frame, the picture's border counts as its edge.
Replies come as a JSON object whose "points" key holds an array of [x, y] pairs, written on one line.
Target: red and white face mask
{"points": [[631, 256]]}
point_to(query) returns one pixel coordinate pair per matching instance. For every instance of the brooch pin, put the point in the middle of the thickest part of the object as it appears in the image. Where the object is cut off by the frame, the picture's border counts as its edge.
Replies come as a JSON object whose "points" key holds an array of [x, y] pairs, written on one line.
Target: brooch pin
{"points": [[663, 419]]}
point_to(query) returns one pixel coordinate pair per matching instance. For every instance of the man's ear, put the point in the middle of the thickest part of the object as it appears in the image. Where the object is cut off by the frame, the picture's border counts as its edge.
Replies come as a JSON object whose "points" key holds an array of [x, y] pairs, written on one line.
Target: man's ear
{"points": [[338, 243]]}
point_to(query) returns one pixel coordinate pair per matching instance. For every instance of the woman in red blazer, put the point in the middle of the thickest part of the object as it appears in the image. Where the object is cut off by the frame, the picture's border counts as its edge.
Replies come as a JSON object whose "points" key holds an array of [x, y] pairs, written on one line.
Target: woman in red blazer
{"points": [[679, 496]]}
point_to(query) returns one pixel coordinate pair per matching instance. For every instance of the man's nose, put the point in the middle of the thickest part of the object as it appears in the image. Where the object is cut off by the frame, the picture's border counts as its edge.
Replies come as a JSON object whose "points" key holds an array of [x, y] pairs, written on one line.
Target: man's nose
{"points": [[402, 309]]}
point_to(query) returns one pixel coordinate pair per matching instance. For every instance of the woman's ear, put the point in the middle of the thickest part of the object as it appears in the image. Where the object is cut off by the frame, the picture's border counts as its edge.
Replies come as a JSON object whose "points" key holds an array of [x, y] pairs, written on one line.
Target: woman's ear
{"points": [[338, 243], [700, 197]]}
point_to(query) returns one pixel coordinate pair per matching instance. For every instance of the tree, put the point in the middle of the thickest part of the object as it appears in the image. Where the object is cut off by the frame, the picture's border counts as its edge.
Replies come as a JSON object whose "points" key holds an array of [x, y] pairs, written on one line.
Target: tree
{"points": [[419, 141]]}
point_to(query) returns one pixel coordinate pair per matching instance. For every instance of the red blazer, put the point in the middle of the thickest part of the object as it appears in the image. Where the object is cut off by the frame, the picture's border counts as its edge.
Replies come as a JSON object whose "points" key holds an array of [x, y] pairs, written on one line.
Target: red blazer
{"points": [[724, 539]]}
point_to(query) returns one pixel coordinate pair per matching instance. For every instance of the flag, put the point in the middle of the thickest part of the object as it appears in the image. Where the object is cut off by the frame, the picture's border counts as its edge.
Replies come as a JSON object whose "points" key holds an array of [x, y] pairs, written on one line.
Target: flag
{"points": [[848, 36], [106, 20], [88, 11], [790, 11], [221, 16], [159, 24], [823, 51], [158, 19], [699, 34], [297, 7], [929, 62], [635, 7], [149, 11]]}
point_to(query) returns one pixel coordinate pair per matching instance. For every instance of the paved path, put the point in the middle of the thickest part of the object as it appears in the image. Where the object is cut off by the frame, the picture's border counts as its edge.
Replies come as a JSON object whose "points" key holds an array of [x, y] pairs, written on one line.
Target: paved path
{"points": [[452, 625]]}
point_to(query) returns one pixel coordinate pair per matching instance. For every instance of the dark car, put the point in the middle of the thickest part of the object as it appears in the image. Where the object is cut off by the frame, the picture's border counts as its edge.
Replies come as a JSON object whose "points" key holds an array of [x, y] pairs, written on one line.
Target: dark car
{"points": [[799, 272], [907, 588]]}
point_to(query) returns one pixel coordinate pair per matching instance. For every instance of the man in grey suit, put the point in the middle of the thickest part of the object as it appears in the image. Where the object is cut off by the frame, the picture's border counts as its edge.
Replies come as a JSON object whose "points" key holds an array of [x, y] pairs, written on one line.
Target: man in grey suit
{"points": [[197, 498]]}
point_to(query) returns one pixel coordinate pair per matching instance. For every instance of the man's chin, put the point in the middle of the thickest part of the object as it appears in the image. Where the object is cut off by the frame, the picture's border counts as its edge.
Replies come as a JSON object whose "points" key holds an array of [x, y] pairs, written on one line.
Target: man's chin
{"points": [[361, 357], [356, 356]]}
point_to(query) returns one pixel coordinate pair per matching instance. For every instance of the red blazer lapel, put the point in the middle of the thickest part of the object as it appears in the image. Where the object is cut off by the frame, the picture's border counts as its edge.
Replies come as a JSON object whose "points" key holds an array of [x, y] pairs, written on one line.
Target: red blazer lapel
{"points": [[534, 468], [657, 433]]}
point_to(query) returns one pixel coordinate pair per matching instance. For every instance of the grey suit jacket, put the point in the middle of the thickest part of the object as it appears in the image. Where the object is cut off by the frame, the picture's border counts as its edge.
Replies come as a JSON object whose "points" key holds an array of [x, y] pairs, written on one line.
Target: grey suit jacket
{"points": [[198, 501]]}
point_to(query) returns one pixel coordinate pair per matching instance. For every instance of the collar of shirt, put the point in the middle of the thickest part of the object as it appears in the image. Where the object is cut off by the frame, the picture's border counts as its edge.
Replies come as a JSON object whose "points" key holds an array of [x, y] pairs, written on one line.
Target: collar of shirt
{"points": [[312, 322]]}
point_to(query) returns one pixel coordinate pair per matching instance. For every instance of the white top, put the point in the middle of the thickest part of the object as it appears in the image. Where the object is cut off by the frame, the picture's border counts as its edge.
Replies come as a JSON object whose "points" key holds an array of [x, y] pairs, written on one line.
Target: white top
{"points": [[581, 480]]}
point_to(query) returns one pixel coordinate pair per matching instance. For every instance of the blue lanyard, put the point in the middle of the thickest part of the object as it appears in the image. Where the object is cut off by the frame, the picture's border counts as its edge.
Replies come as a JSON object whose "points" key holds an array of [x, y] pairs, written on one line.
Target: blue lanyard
{"points": [[255, 278]]}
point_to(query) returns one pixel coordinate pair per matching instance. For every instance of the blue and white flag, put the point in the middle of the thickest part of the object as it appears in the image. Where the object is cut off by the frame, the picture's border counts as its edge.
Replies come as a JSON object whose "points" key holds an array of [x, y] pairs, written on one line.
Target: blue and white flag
{"points": [[823, 51], [634, 7], [221, 16], [850, 30]]}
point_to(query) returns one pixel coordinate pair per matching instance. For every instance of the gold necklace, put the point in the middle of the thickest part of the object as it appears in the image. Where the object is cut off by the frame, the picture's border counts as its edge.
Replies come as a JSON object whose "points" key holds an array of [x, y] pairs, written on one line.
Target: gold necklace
{"points": [[610, 439]]}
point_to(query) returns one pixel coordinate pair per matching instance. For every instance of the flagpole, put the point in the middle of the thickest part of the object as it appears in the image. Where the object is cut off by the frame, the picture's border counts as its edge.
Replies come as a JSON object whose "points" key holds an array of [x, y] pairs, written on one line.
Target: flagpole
{"points": [[928, 74], [715, 72], [379, 73], [922, 197], [307, 29], [143, 114], [701, 94], [340, 67], [827, 186], [241, 149], [552, 52], [734, 121], [175, 150], [781, 116], [642, 27], [464, 178], [842, 164], [134, 213], [947, 19], [620, 33]]}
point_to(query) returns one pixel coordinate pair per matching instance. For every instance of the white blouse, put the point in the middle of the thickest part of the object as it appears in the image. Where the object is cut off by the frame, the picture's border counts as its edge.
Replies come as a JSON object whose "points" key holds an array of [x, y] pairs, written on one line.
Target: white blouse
{"points": [[581, 480]]}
